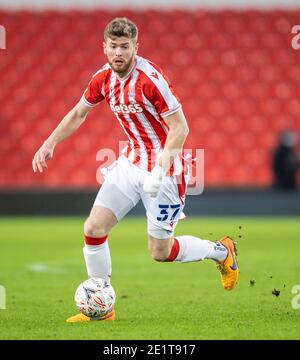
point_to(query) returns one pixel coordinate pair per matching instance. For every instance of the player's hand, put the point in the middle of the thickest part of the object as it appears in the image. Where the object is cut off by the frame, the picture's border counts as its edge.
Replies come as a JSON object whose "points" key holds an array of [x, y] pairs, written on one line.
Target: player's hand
{"points": [[154, 180], [41, 157]]}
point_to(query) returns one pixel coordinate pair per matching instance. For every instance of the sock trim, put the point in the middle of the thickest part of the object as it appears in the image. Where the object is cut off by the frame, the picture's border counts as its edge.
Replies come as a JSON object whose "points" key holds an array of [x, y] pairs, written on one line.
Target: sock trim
{"points": [[174, 251], [95, 240]]}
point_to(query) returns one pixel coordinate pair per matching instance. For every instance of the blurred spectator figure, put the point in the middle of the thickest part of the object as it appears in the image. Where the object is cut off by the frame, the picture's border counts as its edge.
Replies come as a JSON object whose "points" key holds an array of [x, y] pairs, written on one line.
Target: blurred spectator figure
{"points": [[285, 162]]}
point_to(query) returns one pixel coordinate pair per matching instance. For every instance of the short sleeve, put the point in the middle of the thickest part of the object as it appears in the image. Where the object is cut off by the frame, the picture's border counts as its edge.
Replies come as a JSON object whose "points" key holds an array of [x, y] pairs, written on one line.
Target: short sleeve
{"points": [[94, 93]]}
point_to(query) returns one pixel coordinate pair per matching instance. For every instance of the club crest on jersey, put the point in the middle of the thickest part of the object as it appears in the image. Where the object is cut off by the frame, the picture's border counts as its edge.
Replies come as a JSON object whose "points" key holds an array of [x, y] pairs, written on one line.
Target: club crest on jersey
{"points": [[126, 109], [131, 91], [131, 94]]}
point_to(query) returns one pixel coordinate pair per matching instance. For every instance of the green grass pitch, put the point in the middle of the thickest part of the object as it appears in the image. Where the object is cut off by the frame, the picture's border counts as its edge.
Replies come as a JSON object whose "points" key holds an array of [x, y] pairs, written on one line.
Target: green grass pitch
{"points": [[41, 265]]}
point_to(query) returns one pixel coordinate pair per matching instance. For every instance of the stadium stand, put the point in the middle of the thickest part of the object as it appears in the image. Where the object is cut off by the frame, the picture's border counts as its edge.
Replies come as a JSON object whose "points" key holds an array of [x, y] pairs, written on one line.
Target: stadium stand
{"points": [[235, 72]]}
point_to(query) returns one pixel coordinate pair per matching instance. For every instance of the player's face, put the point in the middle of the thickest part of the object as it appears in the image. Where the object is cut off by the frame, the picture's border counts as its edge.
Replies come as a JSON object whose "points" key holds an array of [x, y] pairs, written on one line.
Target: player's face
{"points": [[120, 52]]}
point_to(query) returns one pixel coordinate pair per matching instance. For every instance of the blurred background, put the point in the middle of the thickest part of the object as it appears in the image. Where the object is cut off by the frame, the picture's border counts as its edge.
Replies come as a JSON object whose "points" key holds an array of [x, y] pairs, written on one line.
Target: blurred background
{"points": [[234, 64], [236, 68]]}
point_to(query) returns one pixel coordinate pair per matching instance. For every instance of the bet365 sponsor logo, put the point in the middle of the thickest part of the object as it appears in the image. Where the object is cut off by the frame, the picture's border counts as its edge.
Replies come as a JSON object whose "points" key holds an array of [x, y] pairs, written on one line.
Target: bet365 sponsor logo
{"points": [[126, 109], [2, 297], [2, 37], [296, 38], [296, 298]]}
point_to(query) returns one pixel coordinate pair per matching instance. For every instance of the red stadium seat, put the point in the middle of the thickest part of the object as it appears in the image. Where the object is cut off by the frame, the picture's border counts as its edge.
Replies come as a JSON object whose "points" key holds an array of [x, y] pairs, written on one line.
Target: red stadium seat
{"points": [[235, 73]]}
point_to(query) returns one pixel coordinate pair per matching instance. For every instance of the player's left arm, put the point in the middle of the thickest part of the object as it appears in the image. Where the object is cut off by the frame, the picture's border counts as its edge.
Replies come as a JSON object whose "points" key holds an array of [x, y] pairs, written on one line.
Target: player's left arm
{"points": [[178, 131]]}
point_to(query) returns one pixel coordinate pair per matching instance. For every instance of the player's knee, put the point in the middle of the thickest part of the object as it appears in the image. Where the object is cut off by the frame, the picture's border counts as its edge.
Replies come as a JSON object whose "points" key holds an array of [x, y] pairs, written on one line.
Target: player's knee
{"points": [[94, 229], [159, 254], [158, 257]]}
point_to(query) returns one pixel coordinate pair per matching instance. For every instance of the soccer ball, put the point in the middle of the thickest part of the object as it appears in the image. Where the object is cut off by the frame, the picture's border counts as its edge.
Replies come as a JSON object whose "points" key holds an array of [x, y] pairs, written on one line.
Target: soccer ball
{"points": [[95, 297]]}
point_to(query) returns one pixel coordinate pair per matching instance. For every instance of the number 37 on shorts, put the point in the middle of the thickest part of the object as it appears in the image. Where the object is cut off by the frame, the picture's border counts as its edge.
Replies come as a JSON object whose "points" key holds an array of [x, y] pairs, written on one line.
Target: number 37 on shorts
{"points": [[168, 212]]}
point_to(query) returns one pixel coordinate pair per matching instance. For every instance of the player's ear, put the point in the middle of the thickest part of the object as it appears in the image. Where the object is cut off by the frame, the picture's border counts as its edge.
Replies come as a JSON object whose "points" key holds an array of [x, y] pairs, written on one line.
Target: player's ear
{"points": [[137, 47], [104, 47]]}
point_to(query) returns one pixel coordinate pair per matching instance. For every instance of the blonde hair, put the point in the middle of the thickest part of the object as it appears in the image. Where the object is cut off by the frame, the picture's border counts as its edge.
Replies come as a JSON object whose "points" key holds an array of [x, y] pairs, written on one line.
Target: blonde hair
{"points": [[121, 27]]}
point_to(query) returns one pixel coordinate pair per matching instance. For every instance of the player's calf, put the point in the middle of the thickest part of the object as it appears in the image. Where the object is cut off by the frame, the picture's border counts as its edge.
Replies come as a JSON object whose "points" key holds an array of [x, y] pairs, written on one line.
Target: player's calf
{"points": [[160, 248]]}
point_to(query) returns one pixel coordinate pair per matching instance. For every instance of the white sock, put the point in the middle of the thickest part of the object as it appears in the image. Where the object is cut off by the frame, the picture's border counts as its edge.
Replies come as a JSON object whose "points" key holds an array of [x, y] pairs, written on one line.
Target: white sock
{"points": [[98, 260], [192, 248]]}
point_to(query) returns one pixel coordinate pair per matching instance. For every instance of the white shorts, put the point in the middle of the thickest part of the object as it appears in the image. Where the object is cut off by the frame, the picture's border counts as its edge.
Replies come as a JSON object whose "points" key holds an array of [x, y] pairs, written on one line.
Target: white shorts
{"points": [[123, 188]]}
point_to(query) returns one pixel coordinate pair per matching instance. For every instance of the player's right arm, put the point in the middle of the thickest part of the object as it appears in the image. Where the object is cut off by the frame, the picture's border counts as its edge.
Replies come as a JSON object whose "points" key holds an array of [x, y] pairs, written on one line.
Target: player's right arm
{"points": [[69, 124]]}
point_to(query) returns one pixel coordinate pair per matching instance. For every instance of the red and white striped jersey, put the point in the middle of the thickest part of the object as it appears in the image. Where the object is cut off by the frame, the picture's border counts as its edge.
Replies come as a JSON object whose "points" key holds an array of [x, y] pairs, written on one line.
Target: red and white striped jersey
{"points": [[140, 101]]}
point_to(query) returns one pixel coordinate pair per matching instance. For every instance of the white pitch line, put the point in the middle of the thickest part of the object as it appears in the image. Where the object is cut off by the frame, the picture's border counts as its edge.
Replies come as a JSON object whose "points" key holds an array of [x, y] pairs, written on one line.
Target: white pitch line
{"points": [[46, 269]]}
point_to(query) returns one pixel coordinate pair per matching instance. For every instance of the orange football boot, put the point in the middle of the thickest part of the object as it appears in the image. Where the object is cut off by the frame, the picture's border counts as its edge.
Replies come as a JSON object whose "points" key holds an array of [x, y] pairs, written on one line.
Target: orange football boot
{"points": [[229, 268], [81, 318]]}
